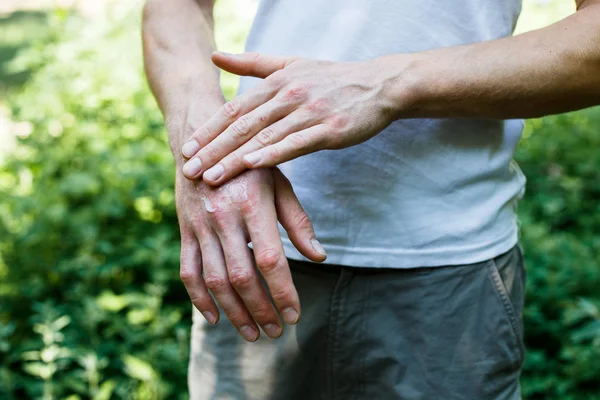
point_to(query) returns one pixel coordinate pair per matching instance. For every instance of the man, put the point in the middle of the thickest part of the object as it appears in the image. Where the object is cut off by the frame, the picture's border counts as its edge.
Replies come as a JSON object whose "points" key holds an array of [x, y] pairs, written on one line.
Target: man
{"points": [[422, 291]]}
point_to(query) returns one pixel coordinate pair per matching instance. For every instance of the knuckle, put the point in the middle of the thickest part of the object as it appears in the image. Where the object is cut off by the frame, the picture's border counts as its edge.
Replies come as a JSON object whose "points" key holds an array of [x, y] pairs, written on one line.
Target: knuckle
{"points": [[241, 279], [202, 133], [233, 160], [240, 127], [197, 220], [216, 283], [318, 106], [187, 276], [250, 206], [237, 317], [231, 108], [295, 93], [281, 296], [297, 141], [302, 221], [262, 314], [201, 299], [268, 260], [220, 218], [275, 153], [202, 230], [266, 136], [338, 121], [210, 152]]}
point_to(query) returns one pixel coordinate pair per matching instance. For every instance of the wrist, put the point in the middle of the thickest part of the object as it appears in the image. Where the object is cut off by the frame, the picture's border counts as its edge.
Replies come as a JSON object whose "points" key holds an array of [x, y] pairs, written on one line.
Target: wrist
{"points": [[403, 84], [181, 124]]}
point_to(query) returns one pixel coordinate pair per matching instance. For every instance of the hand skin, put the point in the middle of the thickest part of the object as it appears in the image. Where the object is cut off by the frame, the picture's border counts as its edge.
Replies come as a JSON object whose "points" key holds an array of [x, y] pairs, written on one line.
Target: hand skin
{"points": [[303, 106], [217, 224]]}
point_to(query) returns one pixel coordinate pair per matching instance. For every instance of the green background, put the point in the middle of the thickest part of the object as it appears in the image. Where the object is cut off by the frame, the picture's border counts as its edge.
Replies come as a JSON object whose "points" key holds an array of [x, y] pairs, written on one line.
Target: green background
{"points": [[90, 302]]}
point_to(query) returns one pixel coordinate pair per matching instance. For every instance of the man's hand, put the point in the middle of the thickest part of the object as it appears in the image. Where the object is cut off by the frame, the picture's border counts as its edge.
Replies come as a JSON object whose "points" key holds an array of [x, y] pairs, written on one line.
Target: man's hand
{"points": [[216, 226], [302, 106]]}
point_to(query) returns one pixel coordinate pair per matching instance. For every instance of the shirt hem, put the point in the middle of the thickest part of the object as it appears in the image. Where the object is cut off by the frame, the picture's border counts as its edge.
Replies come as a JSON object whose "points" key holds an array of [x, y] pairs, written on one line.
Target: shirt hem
{"points": [[409, 258]]}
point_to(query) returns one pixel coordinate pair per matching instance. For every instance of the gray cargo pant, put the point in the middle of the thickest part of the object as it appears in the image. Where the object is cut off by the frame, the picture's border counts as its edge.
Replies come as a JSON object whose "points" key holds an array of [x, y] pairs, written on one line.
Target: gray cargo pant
{"points": [[443, 333]]}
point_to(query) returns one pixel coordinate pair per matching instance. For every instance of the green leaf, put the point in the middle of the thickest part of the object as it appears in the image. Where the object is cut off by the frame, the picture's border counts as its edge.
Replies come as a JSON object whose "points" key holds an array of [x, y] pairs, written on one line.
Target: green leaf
{"points": [[138, 369], [41, 370], [112, 302], [106, 390]]}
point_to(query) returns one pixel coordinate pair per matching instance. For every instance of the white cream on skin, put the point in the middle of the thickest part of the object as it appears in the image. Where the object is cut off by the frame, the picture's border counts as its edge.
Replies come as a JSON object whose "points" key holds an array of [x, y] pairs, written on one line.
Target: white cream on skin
{"points": [[234, 192]]}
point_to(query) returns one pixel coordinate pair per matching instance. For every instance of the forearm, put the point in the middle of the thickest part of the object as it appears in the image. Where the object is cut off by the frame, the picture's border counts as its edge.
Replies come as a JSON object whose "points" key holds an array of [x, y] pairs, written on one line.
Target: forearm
{"points": [[178, 41], [552, 70]]}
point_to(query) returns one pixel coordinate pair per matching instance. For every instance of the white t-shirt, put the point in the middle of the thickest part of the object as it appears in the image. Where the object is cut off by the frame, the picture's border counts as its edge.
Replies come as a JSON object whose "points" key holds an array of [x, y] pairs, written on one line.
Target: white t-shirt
{"points": [[423, 192]]}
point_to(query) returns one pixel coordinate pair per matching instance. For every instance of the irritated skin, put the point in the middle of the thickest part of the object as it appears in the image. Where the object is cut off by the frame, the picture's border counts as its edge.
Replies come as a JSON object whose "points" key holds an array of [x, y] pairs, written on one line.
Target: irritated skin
{"points": [[304, 105], [217, 223]]}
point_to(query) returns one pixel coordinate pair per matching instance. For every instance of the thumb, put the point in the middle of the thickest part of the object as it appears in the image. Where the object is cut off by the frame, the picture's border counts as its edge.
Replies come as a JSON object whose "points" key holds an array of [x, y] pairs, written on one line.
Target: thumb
{"points": [[295, 221], [250, 64]]}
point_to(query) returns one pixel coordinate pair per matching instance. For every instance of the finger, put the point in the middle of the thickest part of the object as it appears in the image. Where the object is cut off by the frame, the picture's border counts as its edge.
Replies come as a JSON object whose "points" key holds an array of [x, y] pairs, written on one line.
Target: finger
{"points": [[251, 64], [217, 281], [225, 116], [295, 221], [238, 133], [271, 261], [233, 164], [191, 276], [292, 146], [247, 284]]}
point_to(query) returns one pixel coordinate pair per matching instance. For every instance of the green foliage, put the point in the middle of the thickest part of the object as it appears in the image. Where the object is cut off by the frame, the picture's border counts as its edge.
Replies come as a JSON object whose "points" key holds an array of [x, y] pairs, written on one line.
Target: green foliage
{"points": [[560, 218], [90, 302], [20, 28]]}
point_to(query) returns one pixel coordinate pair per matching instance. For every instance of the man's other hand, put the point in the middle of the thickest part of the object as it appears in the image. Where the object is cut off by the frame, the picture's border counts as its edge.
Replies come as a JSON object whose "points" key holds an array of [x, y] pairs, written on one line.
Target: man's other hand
{"points": [[216, 227], [300, 107]]}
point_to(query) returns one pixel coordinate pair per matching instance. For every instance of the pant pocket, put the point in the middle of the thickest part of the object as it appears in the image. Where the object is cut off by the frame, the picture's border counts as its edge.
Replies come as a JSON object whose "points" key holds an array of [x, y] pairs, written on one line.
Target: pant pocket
{"points": [[507, 278]]}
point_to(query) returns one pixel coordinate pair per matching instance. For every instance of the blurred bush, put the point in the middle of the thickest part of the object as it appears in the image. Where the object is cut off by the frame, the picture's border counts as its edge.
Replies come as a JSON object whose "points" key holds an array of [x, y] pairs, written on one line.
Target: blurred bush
{"points": [[560, 218], [90, 302]]}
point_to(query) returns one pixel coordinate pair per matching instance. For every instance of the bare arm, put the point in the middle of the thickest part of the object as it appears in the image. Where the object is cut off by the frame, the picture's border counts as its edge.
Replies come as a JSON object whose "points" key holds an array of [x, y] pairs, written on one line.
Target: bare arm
{"points": [[216, 224], [548, 71], [178, 41]]}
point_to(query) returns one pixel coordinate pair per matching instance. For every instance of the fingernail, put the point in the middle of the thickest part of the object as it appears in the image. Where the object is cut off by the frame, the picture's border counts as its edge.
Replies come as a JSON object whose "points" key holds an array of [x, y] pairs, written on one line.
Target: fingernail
{"points": [[209, 317], [318, 247], [290, 316], [253, 158], [214, 173], [272, 330], [192, 167], [249, 333], [190, 148]]}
